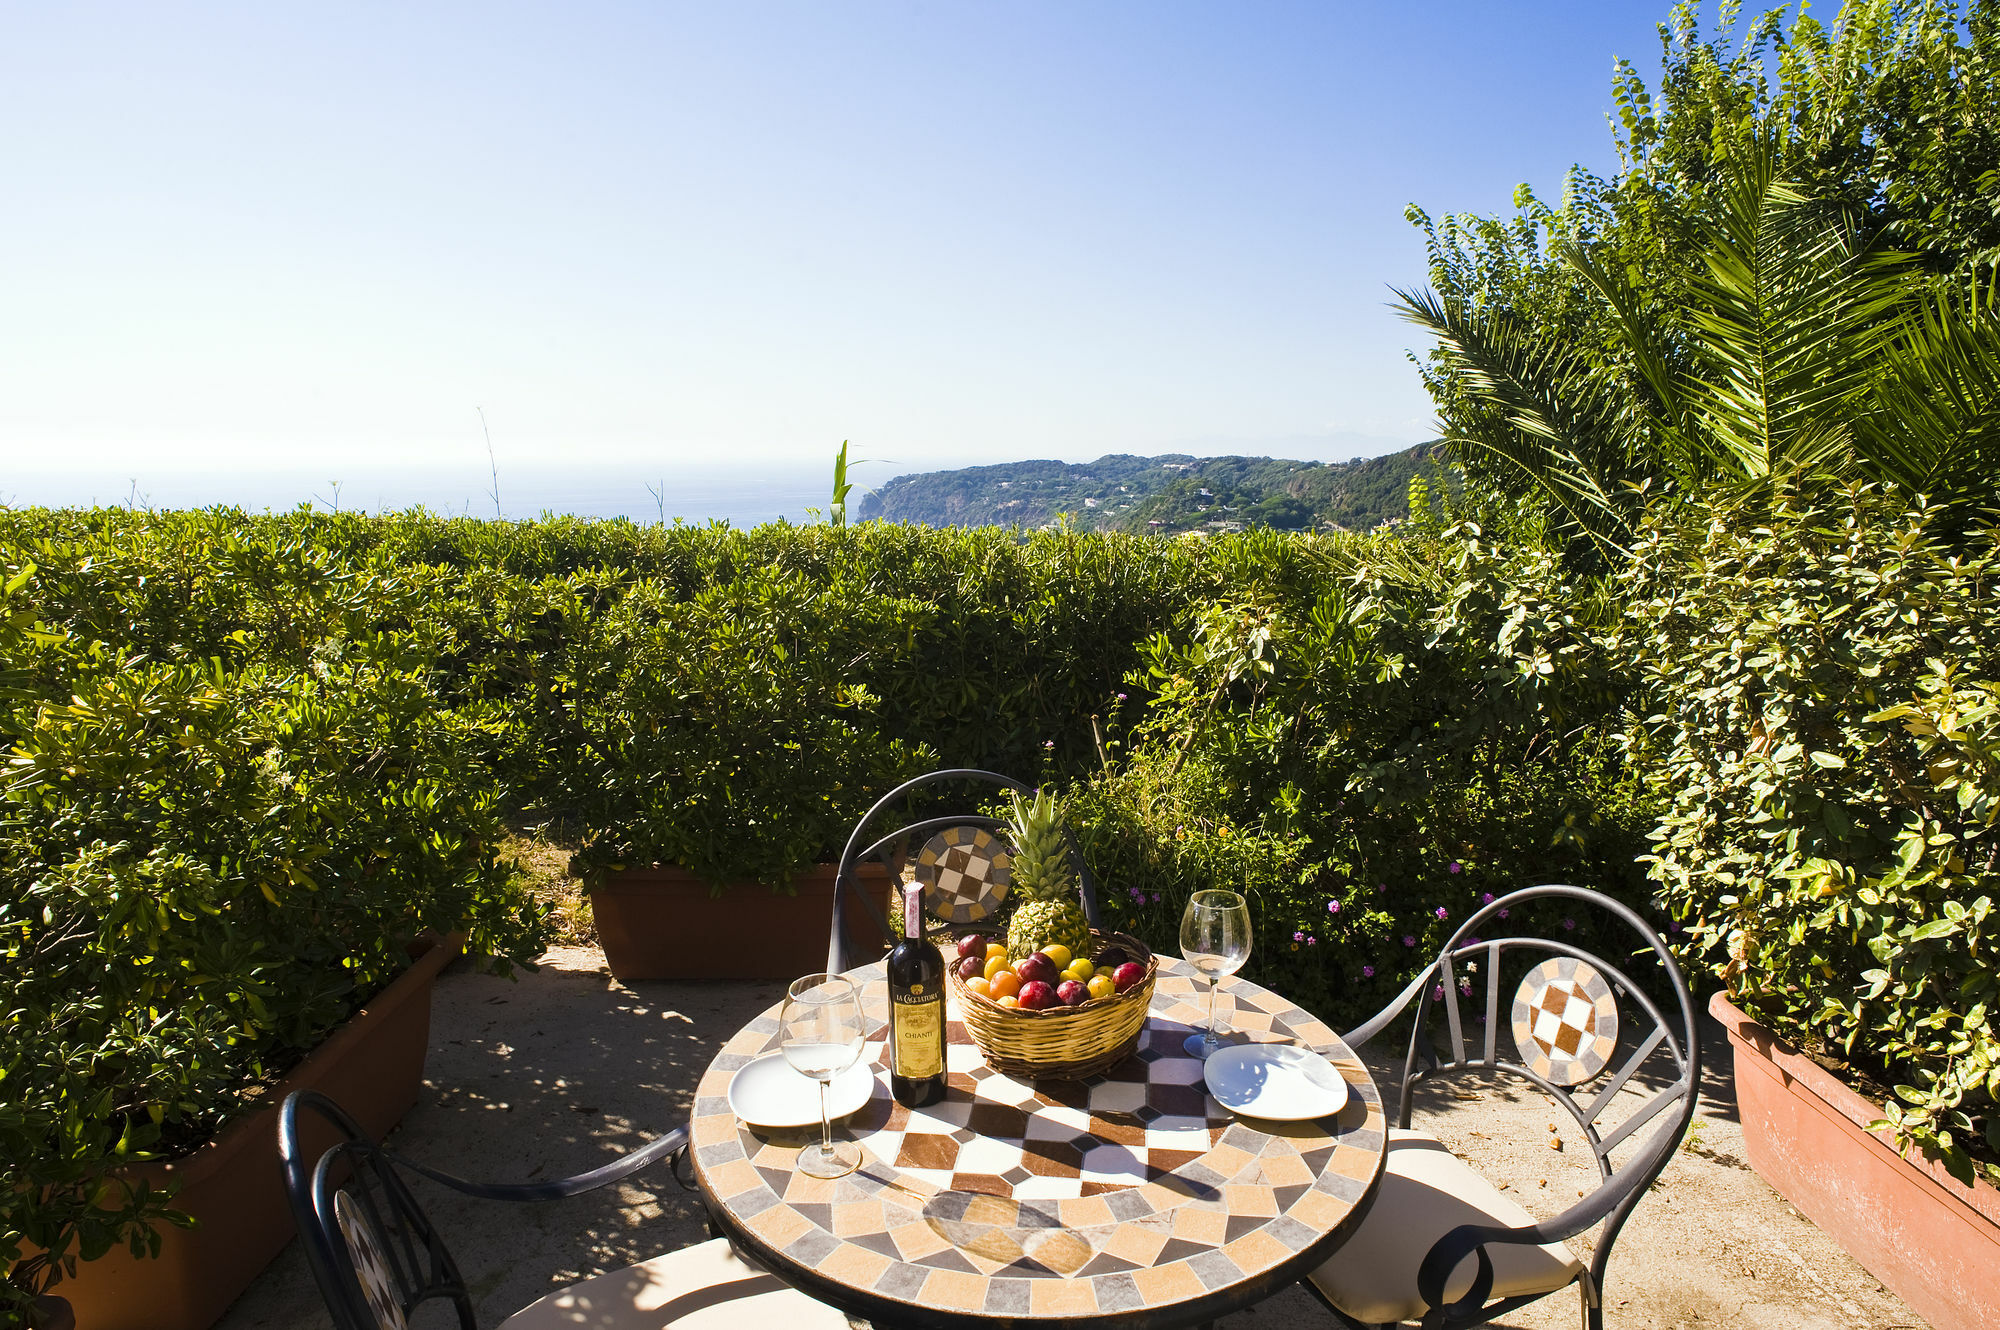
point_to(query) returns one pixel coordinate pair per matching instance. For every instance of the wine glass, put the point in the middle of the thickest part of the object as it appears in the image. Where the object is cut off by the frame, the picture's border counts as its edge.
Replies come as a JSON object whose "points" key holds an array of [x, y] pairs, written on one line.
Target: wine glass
{"points": [[1215, 939], [823, 1033]]}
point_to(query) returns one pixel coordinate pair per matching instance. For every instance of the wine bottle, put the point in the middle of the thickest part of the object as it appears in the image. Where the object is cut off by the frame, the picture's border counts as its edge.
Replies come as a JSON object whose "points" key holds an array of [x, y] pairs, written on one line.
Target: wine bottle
{"points": [[916, 1010]]}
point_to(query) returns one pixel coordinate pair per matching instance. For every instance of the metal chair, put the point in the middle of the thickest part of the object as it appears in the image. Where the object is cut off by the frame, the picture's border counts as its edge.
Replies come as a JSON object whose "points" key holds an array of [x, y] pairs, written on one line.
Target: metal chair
{"points": [[1442, 1245], [376, 1256], [905, 837]]}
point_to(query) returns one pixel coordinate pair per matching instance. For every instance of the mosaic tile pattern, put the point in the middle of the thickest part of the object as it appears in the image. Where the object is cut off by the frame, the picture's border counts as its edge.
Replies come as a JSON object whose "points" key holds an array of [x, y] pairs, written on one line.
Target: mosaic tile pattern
{"points": [[966, 872], [1053, 1200], [1565, 1021], [371, 1267]]}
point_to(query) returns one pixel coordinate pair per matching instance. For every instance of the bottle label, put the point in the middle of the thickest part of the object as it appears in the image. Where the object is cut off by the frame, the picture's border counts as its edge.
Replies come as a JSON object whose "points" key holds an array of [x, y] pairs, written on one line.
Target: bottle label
{"points": [[917, 1036]]}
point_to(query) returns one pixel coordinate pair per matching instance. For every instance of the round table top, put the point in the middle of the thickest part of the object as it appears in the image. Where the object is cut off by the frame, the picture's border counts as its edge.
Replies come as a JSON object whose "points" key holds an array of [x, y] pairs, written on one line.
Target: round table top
{"points": [[1131, 1198]]}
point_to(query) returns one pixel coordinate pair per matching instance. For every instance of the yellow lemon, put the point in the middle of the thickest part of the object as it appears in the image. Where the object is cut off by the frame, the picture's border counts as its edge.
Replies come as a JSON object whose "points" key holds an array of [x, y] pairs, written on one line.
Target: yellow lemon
{"points": [[978, 986], [1100, 986], [1058, 953], [995, 964]]}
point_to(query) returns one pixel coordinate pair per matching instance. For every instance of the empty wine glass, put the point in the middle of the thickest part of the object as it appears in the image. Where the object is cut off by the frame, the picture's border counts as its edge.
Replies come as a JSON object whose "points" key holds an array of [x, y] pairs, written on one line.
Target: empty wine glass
{"points": [[823, 1034], [1215, 939]]}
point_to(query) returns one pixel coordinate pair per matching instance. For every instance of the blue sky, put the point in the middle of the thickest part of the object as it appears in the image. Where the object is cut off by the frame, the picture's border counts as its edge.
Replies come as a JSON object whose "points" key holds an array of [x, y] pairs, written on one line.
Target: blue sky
{"points": [[731, 235]]}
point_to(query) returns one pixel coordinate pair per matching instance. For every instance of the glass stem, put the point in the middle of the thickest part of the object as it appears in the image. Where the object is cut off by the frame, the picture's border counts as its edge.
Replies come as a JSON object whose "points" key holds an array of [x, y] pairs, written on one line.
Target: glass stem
{"points": [[825, 1126], [1211, 1040]]}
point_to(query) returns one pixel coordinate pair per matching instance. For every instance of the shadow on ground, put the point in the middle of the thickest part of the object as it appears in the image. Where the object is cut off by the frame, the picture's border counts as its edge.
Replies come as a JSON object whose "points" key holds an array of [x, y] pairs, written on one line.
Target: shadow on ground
{"points": [[564, 1069]]}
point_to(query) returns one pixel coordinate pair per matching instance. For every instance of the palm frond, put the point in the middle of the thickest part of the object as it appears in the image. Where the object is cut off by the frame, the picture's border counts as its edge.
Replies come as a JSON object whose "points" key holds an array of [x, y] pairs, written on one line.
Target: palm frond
{"points": [[1933, 423], [1548, 416]]}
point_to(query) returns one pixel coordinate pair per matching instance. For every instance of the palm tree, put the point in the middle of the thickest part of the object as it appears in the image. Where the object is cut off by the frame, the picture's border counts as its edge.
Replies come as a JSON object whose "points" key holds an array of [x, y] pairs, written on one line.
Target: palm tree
{"points": [[1797, 355]]}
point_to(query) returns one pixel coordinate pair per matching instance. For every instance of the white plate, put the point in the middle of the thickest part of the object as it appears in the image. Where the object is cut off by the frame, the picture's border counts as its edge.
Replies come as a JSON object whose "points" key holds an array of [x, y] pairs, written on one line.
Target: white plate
{"points": [[768, 1093], [1280, 1082]]}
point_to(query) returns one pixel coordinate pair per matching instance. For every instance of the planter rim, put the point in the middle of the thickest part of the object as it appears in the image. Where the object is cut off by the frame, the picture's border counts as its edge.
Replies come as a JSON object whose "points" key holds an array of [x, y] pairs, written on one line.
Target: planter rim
{"points": [[640, 875], [1751, 1035], [211, 1155]]}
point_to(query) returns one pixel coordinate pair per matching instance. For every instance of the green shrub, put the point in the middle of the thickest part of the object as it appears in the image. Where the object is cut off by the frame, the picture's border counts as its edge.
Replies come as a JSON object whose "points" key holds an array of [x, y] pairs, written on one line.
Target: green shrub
{"points": [[204, 867], [1377, 737], [723, 733], [1822, 728]]}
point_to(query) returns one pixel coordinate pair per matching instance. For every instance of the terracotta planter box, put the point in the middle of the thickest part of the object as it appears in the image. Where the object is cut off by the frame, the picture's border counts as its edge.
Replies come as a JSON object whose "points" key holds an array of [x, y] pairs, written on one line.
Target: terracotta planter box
{"points": [[1931, 1239], [372, 1066], [664, 923]]}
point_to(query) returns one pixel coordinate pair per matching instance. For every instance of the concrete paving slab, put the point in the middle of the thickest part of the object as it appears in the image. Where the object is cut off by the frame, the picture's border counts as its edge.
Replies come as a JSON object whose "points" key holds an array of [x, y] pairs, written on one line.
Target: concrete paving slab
{"points": [[557, 1072]]}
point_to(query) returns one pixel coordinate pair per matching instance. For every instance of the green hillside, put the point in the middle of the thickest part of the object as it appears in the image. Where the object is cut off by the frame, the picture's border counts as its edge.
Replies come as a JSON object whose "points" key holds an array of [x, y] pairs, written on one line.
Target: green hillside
{"points": [[1166, 494]]}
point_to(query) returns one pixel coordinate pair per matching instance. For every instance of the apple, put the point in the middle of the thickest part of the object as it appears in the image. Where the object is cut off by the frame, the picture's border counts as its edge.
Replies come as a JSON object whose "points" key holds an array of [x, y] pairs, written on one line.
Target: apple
{"points": [[972, 967], [1036, 966], [1072, 992], [972, 944], [1128, 974], [1035, 995]]}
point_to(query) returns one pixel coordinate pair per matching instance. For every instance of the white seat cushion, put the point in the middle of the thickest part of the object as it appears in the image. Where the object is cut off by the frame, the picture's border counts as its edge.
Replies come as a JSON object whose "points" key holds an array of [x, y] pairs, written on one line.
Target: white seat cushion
{"points": [[1426, 1192], [704, 1287]]}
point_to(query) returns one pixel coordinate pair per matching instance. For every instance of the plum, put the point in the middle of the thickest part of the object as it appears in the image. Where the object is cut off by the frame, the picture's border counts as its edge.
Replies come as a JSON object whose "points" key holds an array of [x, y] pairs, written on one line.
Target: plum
{"points": [[972, 967], [1128, 974], [1036, 966], [972, 944], [1035, 995], [1072, 992]]}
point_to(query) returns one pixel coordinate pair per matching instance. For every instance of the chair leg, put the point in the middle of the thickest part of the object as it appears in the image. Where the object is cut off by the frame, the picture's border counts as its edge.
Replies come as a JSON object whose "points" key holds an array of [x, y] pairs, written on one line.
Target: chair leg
{"points": [[1593, 1301]]}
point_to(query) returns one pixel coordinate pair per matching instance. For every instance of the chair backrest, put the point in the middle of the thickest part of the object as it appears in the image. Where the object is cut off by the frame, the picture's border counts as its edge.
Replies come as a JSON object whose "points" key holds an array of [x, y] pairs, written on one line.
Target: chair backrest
{"points": [[896, 836], [372, 1250], [1564, 1024]]}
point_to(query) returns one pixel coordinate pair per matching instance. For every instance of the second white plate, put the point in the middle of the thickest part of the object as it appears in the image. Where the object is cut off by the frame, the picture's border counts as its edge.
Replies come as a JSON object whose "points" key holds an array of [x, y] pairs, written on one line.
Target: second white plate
{"points": [[768, 1093], [1280, 1082]]}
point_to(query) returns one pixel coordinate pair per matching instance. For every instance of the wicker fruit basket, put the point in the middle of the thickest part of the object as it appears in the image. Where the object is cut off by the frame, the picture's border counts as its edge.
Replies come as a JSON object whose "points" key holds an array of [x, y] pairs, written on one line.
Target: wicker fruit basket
{"points": [[1061, 1043]]}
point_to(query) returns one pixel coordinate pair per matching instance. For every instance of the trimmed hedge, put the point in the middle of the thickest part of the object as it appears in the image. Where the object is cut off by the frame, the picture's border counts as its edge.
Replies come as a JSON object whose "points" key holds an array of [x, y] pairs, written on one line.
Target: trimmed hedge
{"points": [[1824, 730]]}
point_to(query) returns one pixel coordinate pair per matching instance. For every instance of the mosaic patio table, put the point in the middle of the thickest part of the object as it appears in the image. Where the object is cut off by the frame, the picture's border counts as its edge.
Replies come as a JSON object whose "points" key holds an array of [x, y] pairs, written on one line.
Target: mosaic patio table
{"points": [[1132, 1199]]}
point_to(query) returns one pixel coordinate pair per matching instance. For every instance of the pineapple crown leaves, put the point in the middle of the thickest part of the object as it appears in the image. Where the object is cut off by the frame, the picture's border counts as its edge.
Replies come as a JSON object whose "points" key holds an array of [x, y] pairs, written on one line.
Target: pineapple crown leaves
{"points": [[1041, 852]]}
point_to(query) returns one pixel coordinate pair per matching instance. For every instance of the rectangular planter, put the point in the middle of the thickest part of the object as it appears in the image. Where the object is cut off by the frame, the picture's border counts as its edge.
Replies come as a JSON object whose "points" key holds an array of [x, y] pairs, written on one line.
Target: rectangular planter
{"points": [[664, 922], [1934, 1241], [372, 1066]]}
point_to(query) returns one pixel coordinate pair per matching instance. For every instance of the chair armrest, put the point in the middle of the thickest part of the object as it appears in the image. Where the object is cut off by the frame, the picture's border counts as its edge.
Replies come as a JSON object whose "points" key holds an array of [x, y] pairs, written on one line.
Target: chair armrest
{"points": [[623, 1167], [1379, 1022], [1463, 1241]]}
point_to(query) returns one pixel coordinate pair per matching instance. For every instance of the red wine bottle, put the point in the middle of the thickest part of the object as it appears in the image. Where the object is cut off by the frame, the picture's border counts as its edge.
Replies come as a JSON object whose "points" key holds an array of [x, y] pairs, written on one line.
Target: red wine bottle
{"points": [[916, 1010]]}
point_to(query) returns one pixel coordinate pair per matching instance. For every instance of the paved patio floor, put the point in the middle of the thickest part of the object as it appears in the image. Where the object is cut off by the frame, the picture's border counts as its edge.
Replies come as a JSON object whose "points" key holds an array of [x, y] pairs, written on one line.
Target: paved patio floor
{"points": [[558, 1071]]}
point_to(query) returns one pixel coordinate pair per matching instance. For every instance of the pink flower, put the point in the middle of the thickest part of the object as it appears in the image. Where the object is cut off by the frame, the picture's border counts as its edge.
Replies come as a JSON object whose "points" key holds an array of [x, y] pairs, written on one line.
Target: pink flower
{"points": [[1485, 898], [1503, 914], [1569, 925], [1367, 972], [1333, 907], [1156, 898], [1443, 913], [1454, 867], [1298, 937], [1409, 941], [1437, 992], [1465, 987], [1312, 941]]}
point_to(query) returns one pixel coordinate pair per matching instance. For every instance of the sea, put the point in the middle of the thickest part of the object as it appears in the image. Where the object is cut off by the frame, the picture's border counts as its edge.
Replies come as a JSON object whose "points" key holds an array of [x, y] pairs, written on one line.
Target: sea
{"points": [[742, 497]]}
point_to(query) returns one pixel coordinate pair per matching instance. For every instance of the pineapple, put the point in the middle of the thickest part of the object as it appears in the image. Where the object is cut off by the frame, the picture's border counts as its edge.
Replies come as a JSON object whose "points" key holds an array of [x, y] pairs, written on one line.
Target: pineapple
{"points": [[1050, 911]]}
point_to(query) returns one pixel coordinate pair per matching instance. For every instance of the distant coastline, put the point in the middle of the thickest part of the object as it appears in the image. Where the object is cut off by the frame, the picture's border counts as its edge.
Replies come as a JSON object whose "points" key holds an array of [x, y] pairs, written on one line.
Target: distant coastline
{"points": [[1169, 494]]}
